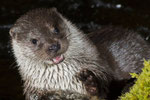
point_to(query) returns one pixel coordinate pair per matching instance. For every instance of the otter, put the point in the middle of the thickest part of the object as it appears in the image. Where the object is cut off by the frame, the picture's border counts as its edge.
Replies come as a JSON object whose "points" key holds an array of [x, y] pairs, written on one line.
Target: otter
{"points": [[53, 54]]}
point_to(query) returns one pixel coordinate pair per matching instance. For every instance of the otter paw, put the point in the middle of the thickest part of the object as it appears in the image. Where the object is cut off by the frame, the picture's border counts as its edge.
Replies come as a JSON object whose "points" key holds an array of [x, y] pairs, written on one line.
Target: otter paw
{"points": [[90, 81]]}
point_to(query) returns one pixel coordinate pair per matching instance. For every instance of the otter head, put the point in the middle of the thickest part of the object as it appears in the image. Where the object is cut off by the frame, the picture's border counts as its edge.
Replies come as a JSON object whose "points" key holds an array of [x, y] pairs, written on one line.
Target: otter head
{"points": [[40, 35]]}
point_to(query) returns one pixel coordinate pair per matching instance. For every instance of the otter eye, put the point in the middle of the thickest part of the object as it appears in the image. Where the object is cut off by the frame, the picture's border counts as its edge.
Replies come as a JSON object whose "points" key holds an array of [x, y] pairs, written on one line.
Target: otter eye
{"points": [[56, 30], [34, 41]]}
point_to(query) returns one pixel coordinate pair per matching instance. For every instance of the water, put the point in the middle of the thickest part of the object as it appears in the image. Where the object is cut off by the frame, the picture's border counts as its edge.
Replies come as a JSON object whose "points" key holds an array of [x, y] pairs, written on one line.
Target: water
{"points": [[88, 15]]}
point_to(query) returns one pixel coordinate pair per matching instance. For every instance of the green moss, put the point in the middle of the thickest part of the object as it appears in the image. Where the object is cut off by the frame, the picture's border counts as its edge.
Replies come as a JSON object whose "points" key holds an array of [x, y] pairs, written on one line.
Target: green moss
{"points": [[141, 88]]}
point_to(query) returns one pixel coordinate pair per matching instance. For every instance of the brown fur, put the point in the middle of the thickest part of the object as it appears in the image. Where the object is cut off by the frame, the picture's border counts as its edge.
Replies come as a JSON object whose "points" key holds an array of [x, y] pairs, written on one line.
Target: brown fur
{"points": [[124, 50]]}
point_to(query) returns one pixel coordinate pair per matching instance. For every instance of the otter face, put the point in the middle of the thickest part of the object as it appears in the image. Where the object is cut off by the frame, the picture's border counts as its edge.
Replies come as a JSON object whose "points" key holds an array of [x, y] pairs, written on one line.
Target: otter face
{"points": [[41, 35]]}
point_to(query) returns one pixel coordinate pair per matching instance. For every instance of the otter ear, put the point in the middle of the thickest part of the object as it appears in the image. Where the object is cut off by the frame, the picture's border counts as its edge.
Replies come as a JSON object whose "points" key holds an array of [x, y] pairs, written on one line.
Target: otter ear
{"points": [[13, 31]]}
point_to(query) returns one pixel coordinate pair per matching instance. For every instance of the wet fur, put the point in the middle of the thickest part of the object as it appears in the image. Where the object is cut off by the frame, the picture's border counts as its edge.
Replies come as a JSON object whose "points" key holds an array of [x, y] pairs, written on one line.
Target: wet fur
{"points": [[125, 51]]}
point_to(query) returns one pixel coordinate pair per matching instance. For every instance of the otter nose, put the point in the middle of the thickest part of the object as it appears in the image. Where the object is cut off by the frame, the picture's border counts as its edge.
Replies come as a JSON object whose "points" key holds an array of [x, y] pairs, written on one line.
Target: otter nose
{"points": [[54, 47]]}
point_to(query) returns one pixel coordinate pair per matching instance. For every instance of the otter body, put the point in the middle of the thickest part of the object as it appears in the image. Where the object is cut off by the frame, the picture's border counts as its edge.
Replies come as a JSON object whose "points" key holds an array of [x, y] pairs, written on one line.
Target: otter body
{"points": [[52, 54], [124, 49]]}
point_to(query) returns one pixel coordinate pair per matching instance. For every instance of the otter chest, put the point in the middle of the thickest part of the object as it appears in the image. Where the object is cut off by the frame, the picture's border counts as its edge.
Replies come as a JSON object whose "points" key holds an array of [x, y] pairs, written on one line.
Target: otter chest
{"points": [[61, 76]]}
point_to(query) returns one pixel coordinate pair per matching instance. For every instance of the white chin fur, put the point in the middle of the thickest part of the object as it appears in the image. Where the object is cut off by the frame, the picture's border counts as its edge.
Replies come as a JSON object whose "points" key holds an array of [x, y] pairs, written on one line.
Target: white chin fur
{"points": [[49, 62]]}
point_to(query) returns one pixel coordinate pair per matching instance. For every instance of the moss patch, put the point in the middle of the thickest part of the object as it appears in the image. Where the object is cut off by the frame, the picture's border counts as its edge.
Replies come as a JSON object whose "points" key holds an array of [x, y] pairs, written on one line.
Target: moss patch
{"points": [[141, 88]]}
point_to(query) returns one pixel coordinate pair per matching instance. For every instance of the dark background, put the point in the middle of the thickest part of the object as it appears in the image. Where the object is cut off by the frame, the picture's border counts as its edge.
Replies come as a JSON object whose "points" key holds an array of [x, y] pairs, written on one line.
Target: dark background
{"points": [[88, 15]]}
